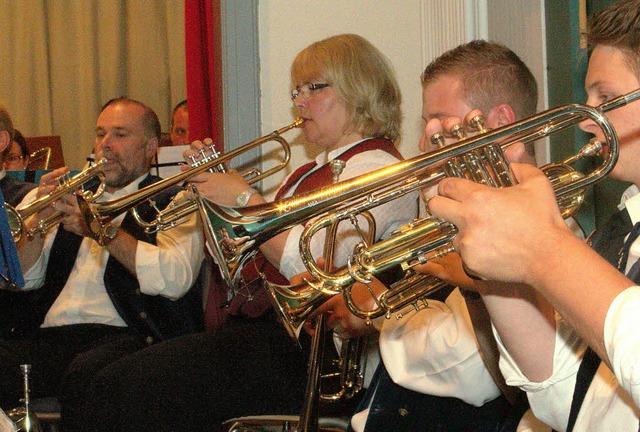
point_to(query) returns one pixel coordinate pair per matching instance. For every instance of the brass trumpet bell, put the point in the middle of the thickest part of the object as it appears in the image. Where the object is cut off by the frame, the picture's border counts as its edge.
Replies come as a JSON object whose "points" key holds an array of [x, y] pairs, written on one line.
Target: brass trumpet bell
{"points": [[16, 217], [100, 214]]}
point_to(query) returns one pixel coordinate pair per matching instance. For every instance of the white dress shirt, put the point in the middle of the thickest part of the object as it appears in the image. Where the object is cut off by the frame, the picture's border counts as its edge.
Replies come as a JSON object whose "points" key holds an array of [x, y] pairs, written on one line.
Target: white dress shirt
{"points": [[167, 269], [609, 402], [434, 351], [388, 217]]}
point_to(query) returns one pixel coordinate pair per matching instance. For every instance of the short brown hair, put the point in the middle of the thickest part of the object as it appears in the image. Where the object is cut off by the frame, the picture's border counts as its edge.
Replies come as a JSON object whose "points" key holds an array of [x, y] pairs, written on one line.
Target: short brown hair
{"points": [[361, 75], [490, 73], [618, 26]]}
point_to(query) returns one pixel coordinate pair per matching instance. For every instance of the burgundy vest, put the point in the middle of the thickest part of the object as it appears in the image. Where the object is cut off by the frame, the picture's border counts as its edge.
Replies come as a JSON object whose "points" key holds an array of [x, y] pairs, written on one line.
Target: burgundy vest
{"points": [[252, 300]]}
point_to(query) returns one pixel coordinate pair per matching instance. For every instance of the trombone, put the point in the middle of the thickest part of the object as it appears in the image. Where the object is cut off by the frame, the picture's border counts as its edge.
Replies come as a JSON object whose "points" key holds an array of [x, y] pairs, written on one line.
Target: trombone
{"points": [[66, 184]]}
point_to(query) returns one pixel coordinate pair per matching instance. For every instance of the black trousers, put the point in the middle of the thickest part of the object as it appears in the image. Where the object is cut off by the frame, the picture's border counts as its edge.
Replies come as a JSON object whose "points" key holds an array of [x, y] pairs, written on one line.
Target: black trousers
{"points": [[63, 359], [195, 382], [395, 408]]}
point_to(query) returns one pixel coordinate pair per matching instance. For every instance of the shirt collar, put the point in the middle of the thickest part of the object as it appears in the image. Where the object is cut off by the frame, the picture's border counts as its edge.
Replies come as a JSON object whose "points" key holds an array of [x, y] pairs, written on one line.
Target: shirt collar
{"points": [[3, 173], [631, 200], [325, 157], [128, 189]]}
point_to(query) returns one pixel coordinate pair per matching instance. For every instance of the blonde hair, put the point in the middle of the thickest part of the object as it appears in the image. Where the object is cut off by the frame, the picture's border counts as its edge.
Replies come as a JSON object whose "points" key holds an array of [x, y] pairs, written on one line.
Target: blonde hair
{"points": [[362, 77]]}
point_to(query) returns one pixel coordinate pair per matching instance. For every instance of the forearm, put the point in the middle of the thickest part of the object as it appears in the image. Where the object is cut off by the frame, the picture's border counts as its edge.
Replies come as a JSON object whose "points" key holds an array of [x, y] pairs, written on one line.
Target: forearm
{"points": [[169, 267], [30, 248], [526, 325], [579, 284], [123, 248]]}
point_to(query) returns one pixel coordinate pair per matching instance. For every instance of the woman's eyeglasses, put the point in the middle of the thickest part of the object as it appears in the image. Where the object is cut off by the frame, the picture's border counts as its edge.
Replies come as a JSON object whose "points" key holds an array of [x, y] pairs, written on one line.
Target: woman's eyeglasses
{"points": [[306, 89]]}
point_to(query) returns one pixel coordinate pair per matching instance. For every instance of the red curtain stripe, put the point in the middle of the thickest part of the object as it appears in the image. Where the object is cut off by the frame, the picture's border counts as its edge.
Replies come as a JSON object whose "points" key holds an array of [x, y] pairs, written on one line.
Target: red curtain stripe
{"points": [[204, 94], [204, 70]]}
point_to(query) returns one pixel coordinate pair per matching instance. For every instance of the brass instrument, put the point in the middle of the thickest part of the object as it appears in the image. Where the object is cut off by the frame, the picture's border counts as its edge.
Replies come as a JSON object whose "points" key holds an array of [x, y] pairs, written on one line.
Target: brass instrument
{"points": [[294, 303], [234, 233], [351, 364], [308, 421], [23, 418], [479, 159], [66, 185], [100, 214]]}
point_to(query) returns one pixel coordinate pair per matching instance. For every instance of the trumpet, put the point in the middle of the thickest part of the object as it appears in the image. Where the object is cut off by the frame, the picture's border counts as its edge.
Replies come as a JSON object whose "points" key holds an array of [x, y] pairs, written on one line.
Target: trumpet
{"points": [[480, 159], [100, 214], [234, 233], [66, 184], [294, 303]]}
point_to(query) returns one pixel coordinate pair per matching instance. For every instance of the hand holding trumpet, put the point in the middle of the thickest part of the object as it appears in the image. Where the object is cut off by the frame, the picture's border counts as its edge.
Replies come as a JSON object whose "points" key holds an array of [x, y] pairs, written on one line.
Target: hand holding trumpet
{"points": [[220, 185], [339, 318], [528, 209], [440, 133]]}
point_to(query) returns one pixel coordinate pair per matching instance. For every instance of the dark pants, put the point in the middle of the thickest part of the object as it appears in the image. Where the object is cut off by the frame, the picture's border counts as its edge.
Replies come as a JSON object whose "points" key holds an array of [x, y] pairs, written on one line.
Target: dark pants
{"points": [[62, 359], [395, 408], [195, 382]]}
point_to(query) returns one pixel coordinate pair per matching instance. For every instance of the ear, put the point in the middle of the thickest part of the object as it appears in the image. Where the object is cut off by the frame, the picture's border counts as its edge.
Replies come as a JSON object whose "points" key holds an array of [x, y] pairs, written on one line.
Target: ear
{"points": [[5, 140], [151, 148], [501, 115]]}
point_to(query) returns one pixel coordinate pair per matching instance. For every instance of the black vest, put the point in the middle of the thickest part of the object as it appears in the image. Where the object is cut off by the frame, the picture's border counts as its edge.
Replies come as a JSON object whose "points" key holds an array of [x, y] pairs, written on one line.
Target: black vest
{"points": [[153, 317], [13, 190]]}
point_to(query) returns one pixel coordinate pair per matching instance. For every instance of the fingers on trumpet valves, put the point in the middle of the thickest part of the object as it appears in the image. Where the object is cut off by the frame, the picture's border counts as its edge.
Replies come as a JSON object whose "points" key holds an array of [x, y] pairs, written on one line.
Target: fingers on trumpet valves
{"points": [[450, 128], [454, 127], [475, 121], [437, 140], [198, 150], [458, 131], [440, 132]]}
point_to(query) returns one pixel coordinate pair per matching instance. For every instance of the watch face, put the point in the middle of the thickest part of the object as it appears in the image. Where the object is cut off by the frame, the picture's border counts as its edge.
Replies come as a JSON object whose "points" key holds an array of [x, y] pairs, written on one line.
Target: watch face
{"points": [[242, 199]]}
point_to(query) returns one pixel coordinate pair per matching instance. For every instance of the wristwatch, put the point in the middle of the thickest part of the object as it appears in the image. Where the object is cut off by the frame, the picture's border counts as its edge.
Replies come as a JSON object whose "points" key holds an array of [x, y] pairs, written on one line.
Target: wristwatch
{"points": [[107, 233], [243, 198]]}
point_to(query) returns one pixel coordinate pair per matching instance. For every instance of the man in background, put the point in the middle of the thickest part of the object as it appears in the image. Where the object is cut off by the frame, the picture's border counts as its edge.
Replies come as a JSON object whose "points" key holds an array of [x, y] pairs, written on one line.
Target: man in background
{"points": [[180, 124], [18, 156]]}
